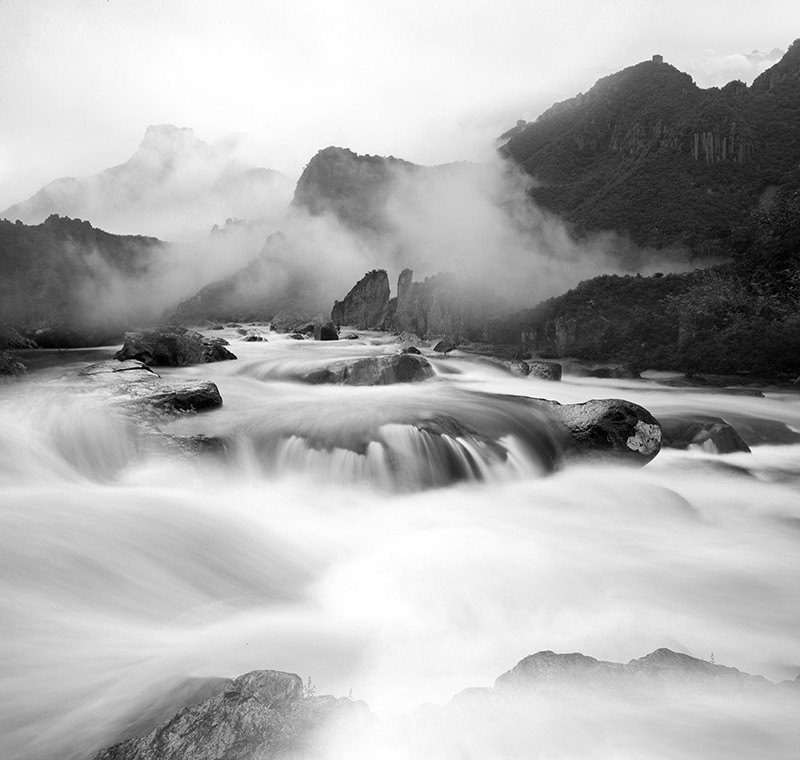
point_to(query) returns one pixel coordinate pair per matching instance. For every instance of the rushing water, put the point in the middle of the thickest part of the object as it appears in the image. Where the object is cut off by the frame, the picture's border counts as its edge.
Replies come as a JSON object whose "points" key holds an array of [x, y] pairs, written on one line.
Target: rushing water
{"points": [[327, 543]]}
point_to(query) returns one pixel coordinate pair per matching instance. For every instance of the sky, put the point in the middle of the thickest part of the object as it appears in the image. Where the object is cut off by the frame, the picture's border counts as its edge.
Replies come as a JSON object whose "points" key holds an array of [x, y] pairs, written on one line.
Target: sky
{"points": [[431, 82]]}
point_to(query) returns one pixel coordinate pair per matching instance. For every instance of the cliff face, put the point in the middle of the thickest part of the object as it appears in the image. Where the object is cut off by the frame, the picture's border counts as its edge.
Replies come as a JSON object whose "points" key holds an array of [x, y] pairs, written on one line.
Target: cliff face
{"points": [[442, 305], [647, 152], [366, 305]]}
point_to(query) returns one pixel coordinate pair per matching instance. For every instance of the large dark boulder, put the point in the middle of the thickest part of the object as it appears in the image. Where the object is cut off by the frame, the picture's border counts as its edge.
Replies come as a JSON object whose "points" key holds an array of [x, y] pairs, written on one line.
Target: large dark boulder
{"points": [[373, 370], [611, 429], [366, 305], [263, 714], [173, 347]]}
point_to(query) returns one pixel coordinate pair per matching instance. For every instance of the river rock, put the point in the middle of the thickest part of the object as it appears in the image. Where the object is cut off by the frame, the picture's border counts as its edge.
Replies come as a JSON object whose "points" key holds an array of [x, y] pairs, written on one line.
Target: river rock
{"points": [[611, 429], [710, 434], [263, 714], [544, 370], [173, 347], [444, 346], [133, 383], [411, 350], [373, 370], [326, 332]]}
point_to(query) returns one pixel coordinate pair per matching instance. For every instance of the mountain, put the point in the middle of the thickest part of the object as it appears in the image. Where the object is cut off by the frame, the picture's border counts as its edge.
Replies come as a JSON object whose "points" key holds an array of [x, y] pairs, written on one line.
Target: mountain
{"points": [[647, 153], [175, 187], [65, 283]]}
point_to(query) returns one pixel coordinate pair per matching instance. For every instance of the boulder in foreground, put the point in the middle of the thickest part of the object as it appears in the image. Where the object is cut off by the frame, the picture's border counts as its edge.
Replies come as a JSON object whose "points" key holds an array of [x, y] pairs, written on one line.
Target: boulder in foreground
{"points": [[263, 714], [173, 347]]}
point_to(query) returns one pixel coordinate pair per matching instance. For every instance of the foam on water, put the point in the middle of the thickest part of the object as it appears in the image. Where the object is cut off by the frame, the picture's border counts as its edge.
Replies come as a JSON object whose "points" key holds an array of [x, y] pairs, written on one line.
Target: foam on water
{"points": [[123, 571]]}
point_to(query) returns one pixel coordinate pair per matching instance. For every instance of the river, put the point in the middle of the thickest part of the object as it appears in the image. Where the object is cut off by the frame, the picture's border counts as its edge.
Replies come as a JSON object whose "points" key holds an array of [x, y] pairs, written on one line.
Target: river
{"points": [[122, 571]]}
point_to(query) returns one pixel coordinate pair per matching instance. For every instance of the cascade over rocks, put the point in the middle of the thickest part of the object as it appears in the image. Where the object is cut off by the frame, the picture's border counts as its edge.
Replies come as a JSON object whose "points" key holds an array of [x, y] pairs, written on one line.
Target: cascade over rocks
{"points": [[366, 305], [173, 347]]}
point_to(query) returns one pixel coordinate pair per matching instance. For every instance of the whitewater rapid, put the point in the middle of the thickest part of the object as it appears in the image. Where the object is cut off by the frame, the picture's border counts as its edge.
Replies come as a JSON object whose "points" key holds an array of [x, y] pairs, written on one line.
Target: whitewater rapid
{"points": [[122, 571]]}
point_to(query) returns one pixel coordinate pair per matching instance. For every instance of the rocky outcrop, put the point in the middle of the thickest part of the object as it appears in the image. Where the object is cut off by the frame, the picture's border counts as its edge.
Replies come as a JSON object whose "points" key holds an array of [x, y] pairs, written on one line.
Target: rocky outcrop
{"points": [[442, 305], [660, 670], [173, 347], [374, 370], [262, 714], [366, 305]]}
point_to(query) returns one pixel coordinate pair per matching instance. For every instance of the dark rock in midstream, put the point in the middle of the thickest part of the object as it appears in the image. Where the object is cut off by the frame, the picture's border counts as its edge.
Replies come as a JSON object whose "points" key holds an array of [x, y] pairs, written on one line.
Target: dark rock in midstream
{"points": [[373, 370], [544, 370], [326, 332], [445, 346], [132, 383], [711, 434], [411, 350], [262, 714], [173, 347], [611, 429]]}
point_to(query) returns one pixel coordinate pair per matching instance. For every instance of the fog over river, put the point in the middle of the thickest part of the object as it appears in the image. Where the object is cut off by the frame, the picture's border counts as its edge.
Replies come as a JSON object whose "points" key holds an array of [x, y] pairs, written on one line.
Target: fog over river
{"points": [[311, 550]]}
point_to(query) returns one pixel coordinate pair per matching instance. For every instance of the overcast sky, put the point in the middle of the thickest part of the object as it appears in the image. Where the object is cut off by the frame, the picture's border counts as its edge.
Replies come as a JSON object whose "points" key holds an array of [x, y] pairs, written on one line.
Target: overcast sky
{"points": [[431, 81]]}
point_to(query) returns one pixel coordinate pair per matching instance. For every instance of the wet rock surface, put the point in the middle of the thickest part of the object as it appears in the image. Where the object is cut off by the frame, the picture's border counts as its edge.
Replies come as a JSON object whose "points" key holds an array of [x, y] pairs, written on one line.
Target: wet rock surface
{"points": [[609, 429], [173, 347], [134, 384], [375, 370]]}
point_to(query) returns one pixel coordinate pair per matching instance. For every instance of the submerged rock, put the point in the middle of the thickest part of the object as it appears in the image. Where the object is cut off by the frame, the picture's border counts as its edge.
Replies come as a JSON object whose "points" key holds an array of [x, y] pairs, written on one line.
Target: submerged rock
{"points": [[173, 347], [373, 370], [710, 434], [262, 714]]}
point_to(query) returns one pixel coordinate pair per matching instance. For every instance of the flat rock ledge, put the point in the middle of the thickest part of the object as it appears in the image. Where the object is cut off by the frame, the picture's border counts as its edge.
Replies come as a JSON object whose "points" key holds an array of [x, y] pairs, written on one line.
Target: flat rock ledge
{"points": [[134, 384]]}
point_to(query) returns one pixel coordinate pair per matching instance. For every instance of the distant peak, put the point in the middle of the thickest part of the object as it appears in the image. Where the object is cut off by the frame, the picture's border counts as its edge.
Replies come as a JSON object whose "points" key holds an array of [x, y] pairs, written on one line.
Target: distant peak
{"points": [[159, 136]]}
